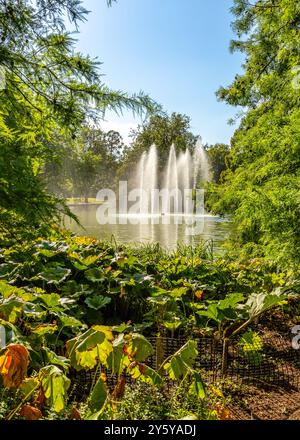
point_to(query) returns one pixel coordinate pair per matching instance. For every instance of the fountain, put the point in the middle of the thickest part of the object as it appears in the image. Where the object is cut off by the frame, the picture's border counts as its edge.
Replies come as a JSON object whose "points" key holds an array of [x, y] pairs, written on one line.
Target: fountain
{"points": [[181, 174], [201, 164], [147, 172]]}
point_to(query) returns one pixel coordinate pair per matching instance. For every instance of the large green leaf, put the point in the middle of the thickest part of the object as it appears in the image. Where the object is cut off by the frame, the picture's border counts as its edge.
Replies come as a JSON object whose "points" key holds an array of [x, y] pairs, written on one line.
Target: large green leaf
{"points": [[98, 396], [182, 361], [231, 301], [69, 321], [198, 386], [91, 347], [115, 357], [54, 274], [95, 275], [55, 386], [145, 374], [51, 300], [12, 309], [139, 347], [6, 290], [97, 302], [258, 303]]}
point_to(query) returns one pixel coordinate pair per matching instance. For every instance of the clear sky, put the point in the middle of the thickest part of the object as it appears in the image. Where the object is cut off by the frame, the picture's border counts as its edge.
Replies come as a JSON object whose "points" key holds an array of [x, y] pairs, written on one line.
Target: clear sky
{"points": [[177, 51]]}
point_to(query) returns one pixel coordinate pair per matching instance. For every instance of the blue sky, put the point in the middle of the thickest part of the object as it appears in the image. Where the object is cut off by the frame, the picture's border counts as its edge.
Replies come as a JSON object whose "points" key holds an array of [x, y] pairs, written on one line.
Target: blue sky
{"points": [[177, 51]]}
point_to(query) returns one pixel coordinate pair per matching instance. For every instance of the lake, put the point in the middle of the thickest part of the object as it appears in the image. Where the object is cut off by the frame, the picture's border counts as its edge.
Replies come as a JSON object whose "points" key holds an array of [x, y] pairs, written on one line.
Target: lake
{"points": [[166, 230]]}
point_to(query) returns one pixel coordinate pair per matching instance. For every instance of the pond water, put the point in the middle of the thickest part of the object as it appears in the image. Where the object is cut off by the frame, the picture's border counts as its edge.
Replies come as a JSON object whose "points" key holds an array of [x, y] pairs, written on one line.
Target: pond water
{"points": [[166, 230]]}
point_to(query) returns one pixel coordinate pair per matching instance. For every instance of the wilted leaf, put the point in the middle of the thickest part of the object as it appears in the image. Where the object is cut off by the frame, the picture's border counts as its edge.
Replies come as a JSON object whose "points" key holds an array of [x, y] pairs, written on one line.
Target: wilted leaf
{"points": [[30, 412], [28, 385], [13, 365], [55, 385], [145, 373]]}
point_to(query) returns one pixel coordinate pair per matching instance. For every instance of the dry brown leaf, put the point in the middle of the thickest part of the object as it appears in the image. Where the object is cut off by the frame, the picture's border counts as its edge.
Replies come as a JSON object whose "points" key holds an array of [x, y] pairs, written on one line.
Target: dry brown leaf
{"points": [[13, 365]]}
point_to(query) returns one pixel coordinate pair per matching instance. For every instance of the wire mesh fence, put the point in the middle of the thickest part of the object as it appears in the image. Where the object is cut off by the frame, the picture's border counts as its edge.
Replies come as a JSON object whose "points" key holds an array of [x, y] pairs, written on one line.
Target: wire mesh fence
{"points": [[272, 361]]}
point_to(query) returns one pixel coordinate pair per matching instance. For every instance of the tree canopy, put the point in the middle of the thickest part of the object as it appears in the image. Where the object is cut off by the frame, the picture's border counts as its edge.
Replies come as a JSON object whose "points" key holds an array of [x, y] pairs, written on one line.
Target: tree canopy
{"points": [[262, 184], [50, 89], [163, 131]]}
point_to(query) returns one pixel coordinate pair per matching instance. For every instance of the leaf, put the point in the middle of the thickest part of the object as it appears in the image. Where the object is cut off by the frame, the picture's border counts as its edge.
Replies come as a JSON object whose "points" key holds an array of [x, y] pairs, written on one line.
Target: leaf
{"points": [[12, 309], [98, 396], [28, 385], [145, 373], [30, 412], [115, 357], [139, 347], [51, 300], [6, 290], [89, 260], [97, 302], [44, 329], [8, 332], [252, 344], [55, 359], [182, 361], [251, 341], [258, 303], [69, 321], [179, 292], [55, 386], [198, 386], [231, 300], [90, 347], [95, 275], [54, 274], [212, 312], [13, 365]]}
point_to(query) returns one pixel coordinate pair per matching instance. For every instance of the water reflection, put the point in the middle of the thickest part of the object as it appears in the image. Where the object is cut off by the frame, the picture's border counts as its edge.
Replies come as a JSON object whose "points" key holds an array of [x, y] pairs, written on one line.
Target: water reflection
{"points": [[167, 230]]}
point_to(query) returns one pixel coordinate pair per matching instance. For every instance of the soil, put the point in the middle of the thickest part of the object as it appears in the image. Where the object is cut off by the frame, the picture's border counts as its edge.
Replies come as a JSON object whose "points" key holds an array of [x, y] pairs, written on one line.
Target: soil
{"points": [[266, 401]]}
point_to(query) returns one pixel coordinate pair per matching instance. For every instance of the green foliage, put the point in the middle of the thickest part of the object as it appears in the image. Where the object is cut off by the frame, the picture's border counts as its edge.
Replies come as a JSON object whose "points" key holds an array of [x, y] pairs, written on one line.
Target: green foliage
{"points": [[97, 399], [52, 287], [261, 186], [50, 92], [55, 386], [251, 345], [182, 361], [217, 156]]}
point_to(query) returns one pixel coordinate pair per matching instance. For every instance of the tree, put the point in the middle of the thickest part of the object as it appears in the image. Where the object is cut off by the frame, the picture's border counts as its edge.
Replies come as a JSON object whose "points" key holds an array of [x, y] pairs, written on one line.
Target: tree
{"points": [[262, 185], [50, 90], [163, 131], [90, 163], [217, 155]]}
